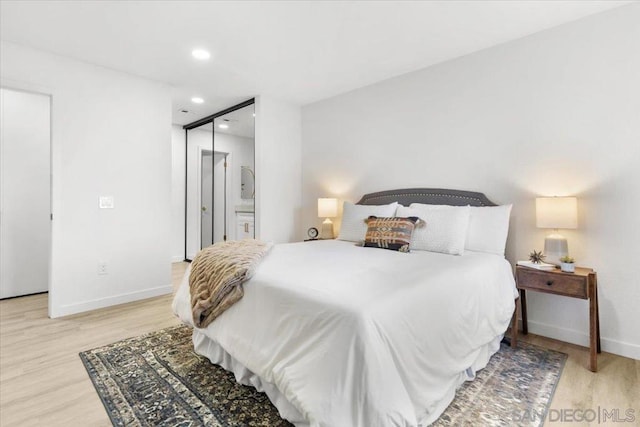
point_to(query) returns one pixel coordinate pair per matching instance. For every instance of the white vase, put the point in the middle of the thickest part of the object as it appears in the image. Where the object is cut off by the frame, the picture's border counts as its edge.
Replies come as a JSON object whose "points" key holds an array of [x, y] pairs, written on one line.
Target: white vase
{"points": [[568, 267]]}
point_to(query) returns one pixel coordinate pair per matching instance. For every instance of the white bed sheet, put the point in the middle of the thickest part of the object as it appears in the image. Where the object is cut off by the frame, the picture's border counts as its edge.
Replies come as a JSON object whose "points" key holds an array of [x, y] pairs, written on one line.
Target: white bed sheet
{"points": [[353, 336]]}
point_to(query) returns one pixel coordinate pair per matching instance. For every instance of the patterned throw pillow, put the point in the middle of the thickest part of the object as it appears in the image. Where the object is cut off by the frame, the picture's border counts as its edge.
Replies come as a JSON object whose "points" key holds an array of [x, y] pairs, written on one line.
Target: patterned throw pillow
{"points": [[392, 233]]}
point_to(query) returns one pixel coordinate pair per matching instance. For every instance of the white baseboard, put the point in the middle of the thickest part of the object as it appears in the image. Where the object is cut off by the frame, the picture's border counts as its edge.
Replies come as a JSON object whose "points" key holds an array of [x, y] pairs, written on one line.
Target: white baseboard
{"points": [[81, 307], [177, 258], [580, 338]]}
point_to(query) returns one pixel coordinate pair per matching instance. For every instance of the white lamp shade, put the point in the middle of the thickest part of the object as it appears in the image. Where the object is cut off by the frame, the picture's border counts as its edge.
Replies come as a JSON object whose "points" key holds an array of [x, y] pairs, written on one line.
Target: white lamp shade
{"points": [[557, 212], [327, 208]]}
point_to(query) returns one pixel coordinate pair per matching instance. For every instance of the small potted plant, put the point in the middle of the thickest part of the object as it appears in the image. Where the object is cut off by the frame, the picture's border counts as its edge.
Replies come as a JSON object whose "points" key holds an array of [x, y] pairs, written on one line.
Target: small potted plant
{"points": [[567, 264]]}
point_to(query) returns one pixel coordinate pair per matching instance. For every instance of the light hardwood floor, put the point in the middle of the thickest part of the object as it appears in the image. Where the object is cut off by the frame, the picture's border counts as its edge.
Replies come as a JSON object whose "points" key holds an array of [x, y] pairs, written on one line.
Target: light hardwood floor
{"points": [[43, 381]]}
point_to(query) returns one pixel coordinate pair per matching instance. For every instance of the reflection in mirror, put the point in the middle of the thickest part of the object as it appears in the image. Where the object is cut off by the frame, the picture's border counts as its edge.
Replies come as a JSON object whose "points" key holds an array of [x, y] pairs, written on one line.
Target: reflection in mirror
{"points": [[199, 221], [220, 163], [234, 134], [247, 183]]}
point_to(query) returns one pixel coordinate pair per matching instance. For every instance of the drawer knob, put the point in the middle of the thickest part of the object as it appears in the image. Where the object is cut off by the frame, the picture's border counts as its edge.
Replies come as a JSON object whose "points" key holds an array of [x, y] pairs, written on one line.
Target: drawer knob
{"points": [[549, 282]]}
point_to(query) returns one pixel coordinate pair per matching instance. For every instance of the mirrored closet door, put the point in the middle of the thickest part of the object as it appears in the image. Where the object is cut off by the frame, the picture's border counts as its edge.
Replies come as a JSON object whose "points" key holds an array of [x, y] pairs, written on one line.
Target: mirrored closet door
{"points": [[220, 178]]}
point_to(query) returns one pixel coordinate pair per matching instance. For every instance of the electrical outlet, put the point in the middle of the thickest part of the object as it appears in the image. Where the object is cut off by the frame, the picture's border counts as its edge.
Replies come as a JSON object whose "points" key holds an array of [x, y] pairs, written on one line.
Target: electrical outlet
{"points": [[102, 268], [105, 202]]}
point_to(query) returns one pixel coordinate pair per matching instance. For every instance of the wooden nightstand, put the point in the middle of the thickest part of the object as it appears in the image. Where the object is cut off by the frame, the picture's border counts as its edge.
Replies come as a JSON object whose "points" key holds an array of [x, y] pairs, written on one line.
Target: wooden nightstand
{"points": [[581, 284]]}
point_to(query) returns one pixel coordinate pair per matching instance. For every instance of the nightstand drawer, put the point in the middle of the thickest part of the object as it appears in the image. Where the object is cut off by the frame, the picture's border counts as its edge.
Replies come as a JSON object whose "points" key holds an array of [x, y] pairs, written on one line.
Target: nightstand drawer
{"points": [[558, 283], [581, 284]]}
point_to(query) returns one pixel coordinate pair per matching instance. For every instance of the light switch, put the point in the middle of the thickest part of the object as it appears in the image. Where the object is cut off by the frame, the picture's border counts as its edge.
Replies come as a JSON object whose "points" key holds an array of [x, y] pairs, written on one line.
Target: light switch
{"points": [[106, 202]]}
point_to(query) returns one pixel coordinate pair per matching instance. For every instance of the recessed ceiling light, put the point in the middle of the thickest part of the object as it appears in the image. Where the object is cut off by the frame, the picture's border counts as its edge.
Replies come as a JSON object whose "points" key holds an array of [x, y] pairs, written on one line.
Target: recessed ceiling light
{"points": [[201, 54], [197, 100], [223, 126]]}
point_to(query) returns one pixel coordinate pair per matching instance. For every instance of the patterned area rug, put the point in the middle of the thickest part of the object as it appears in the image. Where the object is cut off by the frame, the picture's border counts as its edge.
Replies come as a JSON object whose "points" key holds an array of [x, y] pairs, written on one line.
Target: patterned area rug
{"points": [[158, 380]]}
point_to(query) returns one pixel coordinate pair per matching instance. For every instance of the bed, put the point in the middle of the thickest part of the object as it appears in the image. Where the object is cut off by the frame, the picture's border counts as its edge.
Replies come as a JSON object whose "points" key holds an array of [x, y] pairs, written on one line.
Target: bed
{"points": [[340, 335]]}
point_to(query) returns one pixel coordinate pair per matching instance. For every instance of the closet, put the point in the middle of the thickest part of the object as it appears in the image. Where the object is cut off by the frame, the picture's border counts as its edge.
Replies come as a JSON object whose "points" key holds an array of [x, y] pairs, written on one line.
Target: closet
{"points": [[220, 178]]}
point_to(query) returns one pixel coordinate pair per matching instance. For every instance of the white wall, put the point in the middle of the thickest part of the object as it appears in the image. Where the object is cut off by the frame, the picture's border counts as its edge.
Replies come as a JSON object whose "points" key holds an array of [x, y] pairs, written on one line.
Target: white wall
{"points": [[110, 136], [278, 170], [555, 113]]}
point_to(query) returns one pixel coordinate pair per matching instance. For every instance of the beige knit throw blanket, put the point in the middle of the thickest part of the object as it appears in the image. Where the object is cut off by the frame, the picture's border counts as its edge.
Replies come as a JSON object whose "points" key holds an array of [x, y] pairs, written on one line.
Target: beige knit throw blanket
{"points": [[217, 275]]}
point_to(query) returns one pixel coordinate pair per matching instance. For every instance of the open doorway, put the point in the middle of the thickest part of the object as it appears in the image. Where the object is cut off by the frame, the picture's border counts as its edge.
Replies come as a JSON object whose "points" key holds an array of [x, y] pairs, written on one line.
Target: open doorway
{"points": [[25, 192]]}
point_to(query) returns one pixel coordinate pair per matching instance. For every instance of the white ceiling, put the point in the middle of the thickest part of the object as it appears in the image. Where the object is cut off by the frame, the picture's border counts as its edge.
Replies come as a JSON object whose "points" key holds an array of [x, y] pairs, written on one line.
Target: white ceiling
{"points": [[298, 51]]}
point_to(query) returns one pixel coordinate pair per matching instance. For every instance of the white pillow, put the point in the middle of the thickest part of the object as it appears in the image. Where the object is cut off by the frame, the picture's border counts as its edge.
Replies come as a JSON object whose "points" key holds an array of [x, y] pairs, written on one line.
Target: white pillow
{"points": [[445, 230], [488, 227], [353, 227]]}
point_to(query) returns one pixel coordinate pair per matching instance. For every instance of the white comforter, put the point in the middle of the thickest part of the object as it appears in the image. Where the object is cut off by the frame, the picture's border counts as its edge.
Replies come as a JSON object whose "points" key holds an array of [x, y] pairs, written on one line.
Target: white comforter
{"points": [[354, 336]]}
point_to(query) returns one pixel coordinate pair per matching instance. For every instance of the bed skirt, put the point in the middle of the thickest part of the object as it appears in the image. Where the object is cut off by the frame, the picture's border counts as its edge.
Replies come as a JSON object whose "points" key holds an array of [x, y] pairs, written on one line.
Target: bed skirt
{"points": [[208, 348]]}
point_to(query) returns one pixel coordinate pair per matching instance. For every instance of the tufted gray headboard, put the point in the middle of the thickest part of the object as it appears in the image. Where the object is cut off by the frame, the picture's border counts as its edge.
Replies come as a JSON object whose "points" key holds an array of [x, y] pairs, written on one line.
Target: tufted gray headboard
{"points": [[430, 196]]}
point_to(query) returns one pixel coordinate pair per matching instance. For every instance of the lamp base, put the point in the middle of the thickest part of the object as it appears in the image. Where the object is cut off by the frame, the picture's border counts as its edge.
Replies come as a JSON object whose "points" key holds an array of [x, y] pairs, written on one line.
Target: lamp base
{"points": [[555, 247], [327, 229]]}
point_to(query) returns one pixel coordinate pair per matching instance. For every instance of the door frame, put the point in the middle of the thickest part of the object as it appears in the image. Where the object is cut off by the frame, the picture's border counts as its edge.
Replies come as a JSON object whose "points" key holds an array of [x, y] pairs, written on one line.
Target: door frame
{"points": [[227, 183], [201, 153]]}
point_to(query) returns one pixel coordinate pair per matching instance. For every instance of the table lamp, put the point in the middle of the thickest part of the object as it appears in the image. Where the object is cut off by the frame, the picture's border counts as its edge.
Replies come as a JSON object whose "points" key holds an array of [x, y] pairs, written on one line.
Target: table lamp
{"points": [[327, 208], [556, 213]]}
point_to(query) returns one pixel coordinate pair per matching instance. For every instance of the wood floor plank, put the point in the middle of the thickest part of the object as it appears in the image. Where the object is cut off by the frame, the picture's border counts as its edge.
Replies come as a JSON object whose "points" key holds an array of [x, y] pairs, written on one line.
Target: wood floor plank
{"points": [[43, 381]]}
